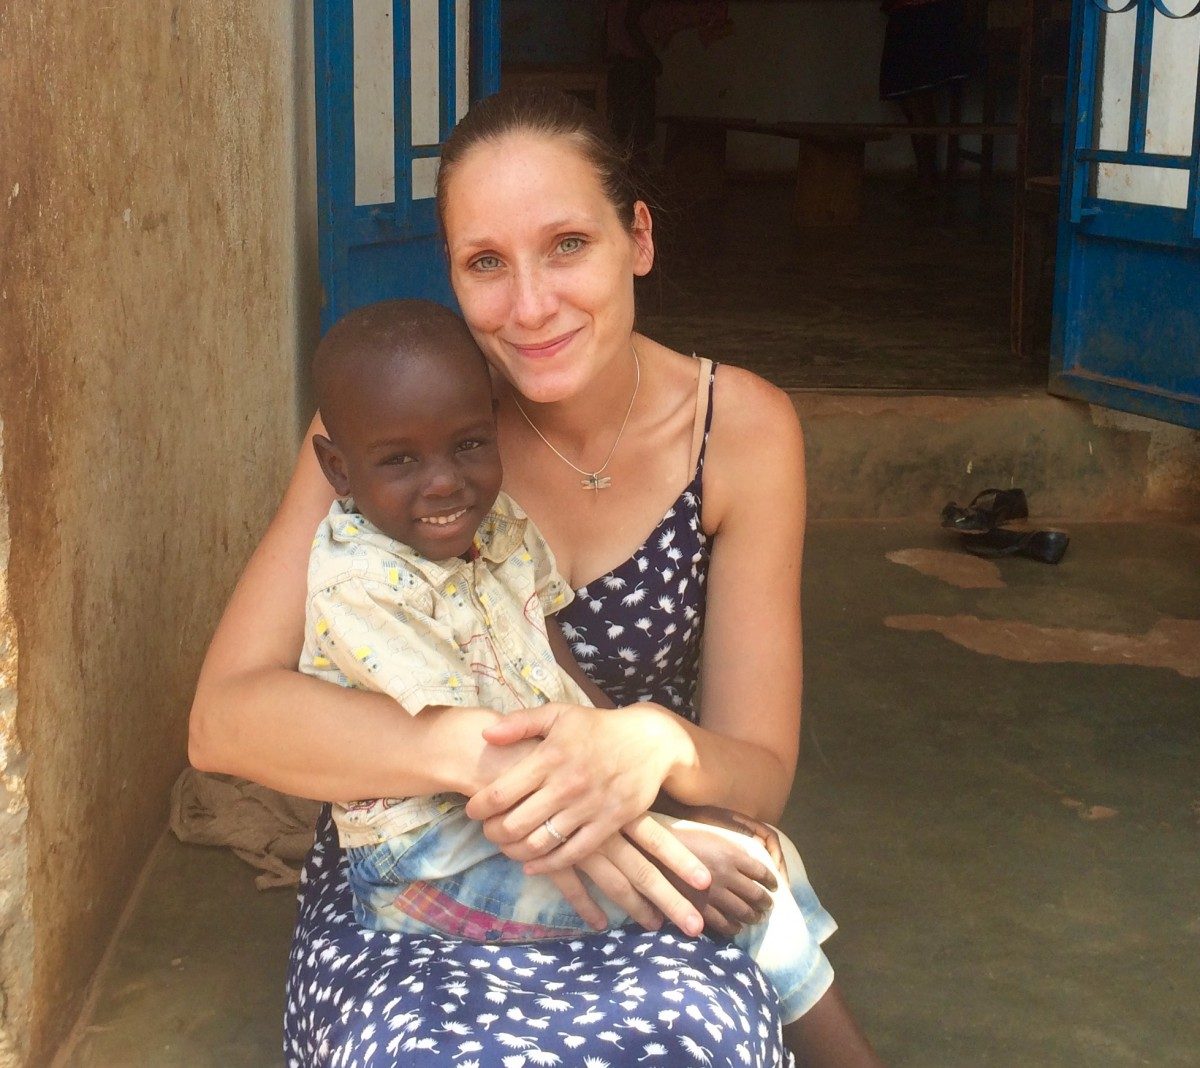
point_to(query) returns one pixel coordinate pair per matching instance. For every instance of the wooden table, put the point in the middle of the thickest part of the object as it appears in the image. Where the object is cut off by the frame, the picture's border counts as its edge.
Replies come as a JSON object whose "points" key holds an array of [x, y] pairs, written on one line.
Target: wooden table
{"points": [[831, 164]]}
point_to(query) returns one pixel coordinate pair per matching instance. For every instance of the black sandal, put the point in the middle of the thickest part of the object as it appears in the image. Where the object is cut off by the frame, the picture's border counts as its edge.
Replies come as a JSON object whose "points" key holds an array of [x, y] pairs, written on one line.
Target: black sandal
{"points": [[1048, 546], [990, 508]]}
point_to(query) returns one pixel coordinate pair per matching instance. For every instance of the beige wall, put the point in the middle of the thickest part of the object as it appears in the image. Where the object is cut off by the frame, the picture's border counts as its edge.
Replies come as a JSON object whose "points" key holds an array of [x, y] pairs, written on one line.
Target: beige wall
{"points": [[16, 928], [156, 296]]}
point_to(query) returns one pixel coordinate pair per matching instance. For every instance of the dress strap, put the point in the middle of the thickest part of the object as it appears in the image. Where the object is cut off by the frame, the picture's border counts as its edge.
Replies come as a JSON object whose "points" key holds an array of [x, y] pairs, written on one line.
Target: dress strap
{"points": [[704, 411]]}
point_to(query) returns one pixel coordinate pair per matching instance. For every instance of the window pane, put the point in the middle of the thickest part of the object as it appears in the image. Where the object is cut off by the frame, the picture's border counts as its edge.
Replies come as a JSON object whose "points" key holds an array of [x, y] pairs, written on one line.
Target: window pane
{"points": [[1169, 113], [1173, 64], [374, 103], [1142, 185], [426, 123], [424, 177], [462, 57], [1116, 79]]}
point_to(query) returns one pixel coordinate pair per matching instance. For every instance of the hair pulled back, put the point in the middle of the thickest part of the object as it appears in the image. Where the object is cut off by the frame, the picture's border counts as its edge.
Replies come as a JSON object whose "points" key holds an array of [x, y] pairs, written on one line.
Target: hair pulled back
{"points": [[548, 113]]}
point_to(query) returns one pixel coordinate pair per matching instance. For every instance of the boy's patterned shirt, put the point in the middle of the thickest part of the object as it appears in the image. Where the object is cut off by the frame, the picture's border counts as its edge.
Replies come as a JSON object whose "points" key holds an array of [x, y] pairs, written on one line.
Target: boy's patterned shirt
{"points": [[381, 617]]}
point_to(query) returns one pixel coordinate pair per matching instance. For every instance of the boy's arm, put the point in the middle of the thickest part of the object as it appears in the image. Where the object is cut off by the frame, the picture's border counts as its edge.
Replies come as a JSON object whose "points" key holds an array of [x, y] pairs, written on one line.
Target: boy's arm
{"points": [[554, 593], [728, 819], [566, 660]]}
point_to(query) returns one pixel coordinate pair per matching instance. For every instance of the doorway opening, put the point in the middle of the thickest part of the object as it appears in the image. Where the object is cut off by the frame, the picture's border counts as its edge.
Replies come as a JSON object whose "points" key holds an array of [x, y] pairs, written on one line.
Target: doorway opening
{"points": [[794, 237]]}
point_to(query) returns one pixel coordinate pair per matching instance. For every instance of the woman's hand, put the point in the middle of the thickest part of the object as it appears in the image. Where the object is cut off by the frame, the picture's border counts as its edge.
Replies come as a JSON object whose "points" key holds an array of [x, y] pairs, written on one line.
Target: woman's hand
{"points": [[625, 875], [591, 774]]}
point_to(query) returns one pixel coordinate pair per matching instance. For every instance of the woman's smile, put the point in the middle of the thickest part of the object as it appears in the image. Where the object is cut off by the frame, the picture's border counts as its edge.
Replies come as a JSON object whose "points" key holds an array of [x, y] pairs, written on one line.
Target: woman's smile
{"points": [[543, 350]]}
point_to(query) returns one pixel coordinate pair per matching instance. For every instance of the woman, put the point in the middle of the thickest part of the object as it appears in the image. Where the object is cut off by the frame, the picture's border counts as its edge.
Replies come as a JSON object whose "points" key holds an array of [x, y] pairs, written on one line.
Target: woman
{"points": [[605, 435]]}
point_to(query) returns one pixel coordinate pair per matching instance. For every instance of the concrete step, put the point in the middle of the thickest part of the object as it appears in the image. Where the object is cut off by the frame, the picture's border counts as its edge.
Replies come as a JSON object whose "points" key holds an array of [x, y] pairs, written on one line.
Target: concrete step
{"points": [[901, 454]]}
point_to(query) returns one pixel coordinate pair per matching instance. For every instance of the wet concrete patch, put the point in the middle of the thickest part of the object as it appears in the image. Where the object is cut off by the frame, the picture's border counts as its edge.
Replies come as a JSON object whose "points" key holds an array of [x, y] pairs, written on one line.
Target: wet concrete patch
{"points": [[1090, 812], [1170, 643], [958, 569]]}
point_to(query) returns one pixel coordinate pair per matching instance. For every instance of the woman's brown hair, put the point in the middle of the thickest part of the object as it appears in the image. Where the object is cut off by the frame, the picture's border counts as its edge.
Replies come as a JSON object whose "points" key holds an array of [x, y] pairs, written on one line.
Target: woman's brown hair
{"points": [[549, 113]]}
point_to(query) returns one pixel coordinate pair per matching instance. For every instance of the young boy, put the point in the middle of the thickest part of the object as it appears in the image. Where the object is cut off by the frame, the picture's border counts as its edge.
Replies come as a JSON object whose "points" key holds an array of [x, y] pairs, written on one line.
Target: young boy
{"points": [[429, 584]]}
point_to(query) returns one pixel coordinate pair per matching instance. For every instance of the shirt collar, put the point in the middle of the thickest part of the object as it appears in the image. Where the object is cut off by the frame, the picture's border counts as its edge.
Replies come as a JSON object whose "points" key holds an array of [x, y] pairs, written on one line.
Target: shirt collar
{"points": [[499, 535]]}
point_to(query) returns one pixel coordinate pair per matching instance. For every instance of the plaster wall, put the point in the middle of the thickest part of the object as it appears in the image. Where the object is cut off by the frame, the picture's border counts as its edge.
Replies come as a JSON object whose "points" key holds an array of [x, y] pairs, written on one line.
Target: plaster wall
{"points": [[1173, 460], [156, 301], [816, 61], [16, 928]]}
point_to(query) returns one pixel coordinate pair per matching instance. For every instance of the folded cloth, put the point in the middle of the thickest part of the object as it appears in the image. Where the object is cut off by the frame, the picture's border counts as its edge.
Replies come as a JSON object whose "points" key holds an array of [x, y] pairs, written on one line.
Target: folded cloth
{"points": [[270, 831]]}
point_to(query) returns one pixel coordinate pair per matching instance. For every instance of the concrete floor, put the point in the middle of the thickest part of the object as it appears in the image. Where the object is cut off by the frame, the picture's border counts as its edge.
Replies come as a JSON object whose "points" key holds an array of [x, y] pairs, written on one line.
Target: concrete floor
{"points": [[916, 296], [1010, 847]]}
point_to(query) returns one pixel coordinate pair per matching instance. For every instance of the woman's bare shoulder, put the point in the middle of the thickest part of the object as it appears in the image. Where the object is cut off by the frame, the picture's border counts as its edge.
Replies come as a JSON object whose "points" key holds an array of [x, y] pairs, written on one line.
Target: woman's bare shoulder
{"points": [[750, 414], [676, 369], [756, 446]]}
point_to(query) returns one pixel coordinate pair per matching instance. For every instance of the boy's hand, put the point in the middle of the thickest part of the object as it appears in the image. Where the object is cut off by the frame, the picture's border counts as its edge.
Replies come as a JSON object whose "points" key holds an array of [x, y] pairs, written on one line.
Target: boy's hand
{"points": [[736, 821], [740, 884], [739, 892]]}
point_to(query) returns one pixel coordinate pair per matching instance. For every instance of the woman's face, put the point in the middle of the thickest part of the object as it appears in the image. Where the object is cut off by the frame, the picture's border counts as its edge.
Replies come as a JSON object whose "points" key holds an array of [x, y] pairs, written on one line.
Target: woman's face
{"points": [[542, 266]]}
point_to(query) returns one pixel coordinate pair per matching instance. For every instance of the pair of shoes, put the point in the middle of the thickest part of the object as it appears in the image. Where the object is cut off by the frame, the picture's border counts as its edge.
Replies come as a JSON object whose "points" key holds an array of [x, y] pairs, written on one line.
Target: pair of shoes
{"points": [[989, 509], [1048, 546], [980, 523]]}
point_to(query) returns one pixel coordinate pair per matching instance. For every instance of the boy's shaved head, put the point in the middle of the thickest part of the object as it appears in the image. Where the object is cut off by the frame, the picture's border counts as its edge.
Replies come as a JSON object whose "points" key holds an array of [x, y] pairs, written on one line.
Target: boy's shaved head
{"points": [[410, 423], [364, 350]]}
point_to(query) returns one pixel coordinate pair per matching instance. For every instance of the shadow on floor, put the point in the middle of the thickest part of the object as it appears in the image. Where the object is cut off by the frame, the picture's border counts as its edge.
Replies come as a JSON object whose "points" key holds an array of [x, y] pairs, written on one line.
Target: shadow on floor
{"points": [[1009, 847]]}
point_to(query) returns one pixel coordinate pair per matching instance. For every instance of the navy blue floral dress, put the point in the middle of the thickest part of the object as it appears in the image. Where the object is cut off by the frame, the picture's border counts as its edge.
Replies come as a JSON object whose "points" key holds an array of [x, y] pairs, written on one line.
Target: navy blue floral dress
{"points": [[364, 999]]}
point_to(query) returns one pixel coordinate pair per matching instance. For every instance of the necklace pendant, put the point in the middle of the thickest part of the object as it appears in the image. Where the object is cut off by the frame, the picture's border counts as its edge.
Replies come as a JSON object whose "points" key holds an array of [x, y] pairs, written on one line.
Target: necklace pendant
{"points": [[595, 482]]}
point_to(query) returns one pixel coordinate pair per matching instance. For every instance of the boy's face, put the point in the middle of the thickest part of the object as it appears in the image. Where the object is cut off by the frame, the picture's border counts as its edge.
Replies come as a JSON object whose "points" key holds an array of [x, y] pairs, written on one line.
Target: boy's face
{"points": [[418, 453]]}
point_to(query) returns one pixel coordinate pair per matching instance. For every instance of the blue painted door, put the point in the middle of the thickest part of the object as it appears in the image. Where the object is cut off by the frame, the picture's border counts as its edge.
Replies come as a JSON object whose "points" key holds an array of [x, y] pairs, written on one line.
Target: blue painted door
{"points": [[392, 79], [1127, 300]]}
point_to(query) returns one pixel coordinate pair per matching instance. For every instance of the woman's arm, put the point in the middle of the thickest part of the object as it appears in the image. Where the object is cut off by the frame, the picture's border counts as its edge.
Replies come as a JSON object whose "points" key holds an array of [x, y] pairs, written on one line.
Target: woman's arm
{"points": [[744, 757], [255, 716]]}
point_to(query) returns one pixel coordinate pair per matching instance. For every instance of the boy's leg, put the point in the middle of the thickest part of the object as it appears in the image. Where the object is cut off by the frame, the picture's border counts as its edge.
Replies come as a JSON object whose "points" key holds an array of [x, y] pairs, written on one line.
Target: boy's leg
{"points": [[827, 1036], [821, 1033]]}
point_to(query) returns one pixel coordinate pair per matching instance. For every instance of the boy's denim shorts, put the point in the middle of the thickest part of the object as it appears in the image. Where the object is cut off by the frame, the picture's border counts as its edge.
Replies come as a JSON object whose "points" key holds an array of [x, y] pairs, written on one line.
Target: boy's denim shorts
{"points": [[447, 878]]}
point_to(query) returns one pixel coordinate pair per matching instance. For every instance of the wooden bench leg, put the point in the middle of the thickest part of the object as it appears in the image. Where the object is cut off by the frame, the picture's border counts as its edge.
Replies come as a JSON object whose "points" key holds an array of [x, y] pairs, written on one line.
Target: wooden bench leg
{"points": [[829, 182]]}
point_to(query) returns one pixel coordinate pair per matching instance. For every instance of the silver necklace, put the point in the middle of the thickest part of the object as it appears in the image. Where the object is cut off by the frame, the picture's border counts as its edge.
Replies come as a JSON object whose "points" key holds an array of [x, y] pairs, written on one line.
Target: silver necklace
{"points": [[592, 479]]}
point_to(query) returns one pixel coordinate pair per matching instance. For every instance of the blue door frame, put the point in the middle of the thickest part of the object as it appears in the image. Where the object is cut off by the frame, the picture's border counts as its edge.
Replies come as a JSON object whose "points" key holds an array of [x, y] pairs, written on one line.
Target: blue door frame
{"points": [[1126, 328], [377, 251]]}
